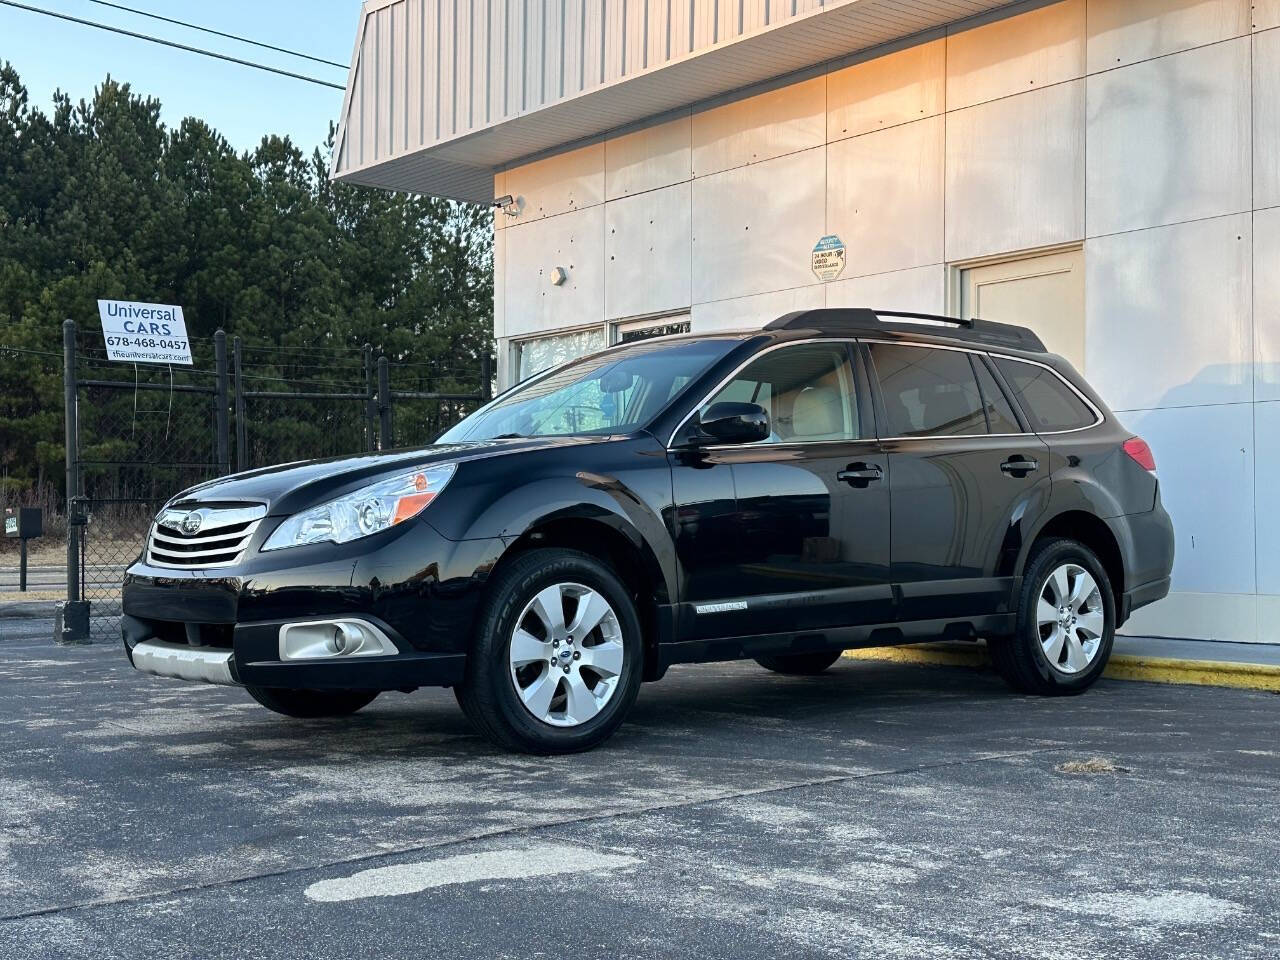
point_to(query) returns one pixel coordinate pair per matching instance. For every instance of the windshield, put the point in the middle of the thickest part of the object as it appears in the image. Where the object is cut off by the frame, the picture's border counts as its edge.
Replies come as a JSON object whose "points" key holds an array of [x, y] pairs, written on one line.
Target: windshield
{"points": [[614, 392]]}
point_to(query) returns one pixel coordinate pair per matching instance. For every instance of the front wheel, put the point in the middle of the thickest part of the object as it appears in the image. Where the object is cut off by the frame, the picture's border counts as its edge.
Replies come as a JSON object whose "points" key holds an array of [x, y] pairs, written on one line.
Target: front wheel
{"points": [[556, 662], [800, 664], [1065, 624], [307, 704]]}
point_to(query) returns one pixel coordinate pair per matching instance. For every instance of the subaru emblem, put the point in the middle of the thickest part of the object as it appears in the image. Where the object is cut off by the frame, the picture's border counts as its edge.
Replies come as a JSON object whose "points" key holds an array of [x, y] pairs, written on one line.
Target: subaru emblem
{"points": [[191, 522]]}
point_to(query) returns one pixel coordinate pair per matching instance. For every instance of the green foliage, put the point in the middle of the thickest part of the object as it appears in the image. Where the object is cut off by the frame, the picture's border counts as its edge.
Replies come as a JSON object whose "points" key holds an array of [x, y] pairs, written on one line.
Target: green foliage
{"points": [[99, 199]]}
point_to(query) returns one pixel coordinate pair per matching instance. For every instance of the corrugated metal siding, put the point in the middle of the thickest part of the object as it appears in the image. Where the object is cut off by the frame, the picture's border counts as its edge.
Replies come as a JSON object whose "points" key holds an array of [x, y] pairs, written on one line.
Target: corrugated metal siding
{"points": [[430, 74]]}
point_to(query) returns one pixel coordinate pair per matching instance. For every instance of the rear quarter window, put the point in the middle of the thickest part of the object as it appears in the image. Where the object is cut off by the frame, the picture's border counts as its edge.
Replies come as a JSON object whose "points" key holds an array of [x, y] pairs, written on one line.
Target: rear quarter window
{"points": [[1048, 401]]}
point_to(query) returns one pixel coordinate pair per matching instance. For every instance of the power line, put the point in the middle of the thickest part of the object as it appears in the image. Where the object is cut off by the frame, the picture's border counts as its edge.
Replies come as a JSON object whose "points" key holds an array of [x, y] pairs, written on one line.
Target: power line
{"points": [[171, 43], [219, 33]]}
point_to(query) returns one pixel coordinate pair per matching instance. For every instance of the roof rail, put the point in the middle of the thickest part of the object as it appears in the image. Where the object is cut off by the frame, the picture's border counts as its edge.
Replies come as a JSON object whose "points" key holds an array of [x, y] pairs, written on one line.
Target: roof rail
{"points": [[865, 320]]}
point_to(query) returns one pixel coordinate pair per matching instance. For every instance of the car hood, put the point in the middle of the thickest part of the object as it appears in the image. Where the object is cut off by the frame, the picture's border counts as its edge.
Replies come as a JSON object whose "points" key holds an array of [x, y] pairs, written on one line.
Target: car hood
{"points": [[290, 487]]}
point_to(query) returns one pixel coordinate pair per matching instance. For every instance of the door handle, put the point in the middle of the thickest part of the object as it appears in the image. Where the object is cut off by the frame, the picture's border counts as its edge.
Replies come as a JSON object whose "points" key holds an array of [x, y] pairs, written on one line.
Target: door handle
{"points": [[860, 474], [1019, 466]]}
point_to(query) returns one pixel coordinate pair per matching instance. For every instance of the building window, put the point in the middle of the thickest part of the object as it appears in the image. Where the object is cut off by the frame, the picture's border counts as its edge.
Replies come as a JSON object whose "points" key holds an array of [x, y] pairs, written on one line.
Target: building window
{"points": [[542, 353], [632, 330]]}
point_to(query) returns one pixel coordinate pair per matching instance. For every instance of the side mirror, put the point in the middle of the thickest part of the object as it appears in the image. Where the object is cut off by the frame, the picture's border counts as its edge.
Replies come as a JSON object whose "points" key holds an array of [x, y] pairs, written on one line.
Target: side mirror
{"points": [[734, 423]]}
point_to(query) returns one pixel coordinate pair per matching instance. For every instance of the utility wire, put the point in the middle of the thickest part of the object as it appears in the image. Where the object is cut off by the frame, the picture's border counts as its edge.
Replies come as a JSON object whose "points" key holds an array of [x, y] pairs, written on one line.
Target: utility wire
{"points": [[219, 33], [171, 43]]}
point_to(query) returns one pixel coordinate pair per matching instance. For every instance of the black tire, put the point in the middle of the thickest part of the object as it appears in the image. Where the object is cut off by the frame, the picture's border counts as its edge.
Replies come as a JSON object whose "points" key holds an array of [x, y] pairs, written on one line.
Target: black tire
{"points": [[1020, 659], [308, 704], [800, 664], [488, 694]]}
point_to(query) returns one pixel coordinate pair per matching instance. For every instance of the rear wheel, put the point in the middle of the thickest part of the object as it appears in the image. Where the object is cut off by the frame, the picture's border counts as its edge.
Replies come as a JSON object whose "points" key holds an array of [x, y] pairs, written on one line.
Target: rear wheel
{"points": [[312, 703], [1065, 625], [800, 664], [556, 662]]}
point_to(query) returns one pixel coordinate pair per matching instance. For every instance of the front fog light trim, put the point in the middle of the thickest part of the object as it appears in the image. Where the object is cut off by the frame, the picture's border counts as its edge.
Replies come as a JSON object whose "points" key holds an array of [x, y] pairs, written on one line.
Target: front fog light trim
{"points": [[337, 639]]}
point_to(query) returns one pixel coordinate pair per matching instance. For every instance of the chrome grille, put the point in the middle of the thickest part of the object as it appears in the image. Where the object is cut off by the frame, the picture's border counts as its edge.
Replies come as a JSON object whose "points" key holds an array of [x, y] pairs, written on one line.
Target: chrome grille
{"points": [[203, 536]]}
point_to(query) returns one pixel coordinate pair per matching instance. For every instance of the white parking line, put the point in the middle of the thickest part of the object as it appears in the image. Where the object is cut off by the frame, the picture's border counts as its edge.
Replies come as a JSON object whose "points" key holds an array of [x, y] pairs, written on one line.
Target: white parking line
{"points": [[542, 860]]}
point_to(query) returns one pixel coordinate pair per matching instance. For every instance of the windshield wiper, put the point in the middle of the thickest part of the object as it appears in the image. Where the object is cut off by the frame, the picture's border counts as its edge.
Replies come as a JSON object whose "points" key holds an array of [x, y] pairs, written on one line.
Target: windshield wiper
{"points": [[509, 436]]}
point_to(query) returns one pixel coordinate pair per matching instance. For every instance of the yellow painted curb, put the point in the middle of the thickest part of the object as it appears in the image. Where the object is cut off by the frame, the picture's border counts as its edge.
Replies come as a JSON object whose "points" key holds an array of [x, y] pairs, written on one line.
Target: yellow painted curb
{"points": [[1207, 673]]}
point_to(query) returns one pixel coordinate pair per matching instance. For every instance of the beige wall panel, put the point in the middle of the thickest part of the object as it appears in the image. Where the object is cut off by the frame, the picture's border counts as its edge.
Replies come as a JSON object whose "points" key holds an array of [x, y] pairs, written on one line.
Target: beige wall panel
{"points": [[771, 124], [573, 241], [1129, 31], [558, 184], [1266, 119], [751, 313], [1266, 432], [896, 88], [646, 246], [754, 227], [1011, 55], [1206, 460], [922, 289], [1015, 173], [1167, 315], [500, 284], [1169, 139], [884, 197], [656, 156], [1266, 303], [1266, 14]]}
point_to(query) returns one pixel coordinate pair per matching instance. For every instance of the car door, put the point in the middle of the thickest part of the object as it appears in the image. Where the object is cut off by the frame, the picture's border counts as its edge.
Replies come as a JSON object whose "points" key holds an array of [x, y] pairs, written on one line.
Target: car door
{"points": [[790, 533], [967, 479]]}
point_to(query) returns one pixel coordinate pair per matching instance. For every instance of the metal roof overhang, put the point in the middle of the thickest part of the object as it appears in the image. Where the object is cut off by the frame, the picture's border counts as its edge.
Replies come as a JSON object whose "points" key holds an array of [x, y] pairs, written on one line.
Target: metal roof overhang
{"points": [[462, 168]]}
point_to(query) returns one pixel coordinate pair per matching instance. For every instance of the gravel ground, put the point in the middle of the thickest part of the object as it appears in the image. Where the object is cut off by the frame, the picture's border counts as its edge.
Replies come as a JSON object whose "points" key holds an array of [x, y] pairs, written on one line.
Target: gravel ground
{"points": [[881, 810]]}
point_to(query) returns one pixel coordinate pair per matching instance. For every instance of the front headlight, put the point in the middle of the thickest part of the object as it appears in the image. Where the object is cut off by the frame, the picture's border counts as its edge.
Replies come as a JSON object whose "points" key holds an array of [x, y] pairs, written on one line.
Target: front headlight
{"points": [[369, 510]]}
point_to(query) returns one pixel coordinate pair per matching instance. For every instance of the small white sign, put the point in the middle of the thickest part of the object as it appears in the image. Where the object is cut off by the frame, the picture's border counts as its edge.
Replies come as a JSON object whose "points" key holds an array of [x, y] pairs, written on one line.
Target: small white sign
{"points": [[828, 258], [144, 332]]}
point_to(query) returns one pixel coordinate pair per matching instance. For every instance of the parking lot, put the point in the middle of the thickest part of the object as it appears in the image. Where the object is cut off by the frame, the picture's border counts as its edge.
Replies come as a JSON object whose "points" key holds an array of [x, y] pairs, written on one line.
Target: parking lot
{"points": [[880, 810]]}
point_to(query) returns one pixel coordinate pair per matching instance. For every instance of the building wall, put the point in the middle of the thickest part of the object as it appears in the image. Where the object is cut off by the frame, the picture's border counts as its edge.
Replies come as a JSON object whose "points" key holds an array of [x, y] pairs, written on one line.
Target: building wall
{"points": [[1145, 131]]}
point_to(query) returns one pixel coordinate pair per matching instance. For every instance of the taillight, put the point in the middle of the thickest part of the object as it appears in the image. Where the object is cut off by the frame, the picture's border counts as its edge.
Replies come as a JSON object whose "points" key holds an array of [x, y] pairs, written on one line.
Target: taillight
{"points": [[1140, 453]]}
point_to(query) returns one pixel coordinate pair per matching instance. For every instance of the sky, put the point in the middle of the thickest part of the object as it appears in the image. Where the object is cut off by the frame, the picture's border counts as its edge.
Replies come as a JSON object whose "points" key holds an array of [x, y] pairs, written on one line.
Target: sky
{"points": [[243, 104]]}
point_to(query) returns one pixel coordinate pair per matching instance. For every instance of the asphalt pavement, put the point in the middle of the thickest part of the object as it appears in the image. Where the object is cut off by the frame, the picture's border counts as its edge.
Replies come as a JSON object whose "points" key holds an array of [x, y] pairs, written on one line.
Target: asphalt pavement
{"points": [[880, 810]]}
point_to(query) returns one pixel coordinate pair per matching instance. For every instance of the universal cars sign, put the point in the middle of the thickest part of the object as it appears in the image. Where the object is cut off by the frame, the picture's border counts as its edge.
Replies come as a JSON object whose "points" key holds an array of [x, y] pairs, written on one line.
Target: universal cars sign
{"points": [[144, 332]]}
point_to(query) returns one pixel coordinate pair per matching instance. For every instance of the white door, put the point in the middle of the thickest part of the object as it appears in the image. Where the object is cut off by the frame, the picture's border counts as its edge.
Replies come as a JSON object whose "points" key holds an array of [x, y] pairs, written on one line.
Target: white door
{"points": [[1045, 293]]}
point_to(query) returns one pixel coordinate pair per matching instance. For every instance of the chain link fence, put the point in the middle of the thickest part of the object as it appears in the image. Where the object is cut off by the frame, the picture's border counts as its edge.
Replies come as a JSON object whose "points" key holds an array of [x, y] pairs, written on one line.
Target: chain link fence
{"points": [[139, 433]]}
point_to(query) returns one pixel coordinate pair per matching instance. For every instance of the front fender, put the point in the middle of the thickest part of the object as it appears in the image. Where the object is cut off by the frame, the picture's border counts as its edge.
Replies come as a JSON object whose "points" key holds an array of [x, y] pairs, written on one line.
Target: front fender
{"points": [[627, 489]]}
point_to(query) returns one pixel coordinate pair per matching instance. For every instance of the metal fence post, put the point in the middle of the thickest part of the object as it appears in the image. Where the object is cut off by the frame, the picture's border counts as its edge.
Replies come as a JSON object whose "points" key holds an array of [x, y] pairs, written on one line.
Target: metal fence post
{"points": [[384, 404], [370, 402], [222, 428], [242, 428], [71, 624]]}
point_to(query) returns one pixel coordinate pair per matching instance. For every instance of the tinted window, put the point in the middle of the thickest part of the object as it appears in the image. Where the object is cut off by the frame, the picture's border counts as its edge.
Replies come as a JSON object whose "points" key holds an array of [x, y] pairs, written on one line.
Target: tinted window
{"points": [[807, 390], [1047, 401], [928, 392], [1000, 417]]}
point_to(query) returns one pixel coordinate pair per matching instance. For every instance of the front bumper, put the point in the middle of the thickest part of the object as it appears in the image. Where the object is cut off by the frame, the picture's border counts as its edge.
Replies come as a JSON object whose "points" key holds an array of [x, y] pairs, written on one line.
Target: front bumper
{"points": [[253, 659], [417, 587]]}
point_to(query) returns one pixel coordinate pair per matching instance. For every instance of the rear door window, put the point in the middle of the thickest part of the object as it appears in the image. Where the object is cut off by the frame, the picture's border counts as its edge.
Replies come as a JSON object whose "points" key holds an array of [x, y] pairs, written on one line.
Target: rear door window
{"points": [[928, 392], [1048, 401]]}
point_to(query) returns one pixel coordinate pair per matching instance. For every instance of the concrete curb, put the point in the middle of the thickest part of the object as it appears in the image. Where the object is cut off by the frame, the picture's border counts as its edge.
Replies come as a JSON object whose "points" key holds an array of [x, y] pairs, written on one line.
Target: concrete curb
{"points": [[1206, 673], [29, 610]]}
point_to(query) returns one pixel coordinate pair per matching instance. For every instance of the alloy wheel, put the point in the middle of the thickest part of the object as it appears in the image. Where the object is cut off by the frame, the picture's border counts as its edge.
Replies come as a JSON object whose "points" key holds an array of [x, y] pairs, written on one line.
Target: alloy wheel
{"points": [[566, 654], [1070, 618]]}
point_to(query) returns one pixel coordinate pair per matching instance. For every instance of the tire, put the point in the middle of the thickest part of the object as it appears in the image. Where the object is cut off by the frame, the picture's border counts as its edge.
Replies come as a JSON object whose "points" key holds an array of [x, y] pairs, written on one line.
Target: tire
{"points": [[1060, 648], [307, 704], [512, 693], [800, 664]]}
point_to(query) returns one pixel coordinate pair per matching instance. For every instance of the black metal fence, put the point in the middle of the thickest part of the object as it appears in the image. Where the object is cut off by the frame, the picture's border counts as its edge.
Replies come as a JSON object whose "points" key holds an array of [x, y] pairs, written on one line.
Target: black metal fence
{"points": [[138, 433]]}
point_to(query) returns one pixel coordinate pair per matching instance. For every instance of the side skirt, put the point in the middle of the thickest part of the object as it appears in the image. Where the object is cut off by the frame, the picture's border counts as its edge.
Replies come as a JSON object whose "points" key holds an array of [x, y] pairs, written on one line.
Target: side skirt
{"points": [[833, 638]]}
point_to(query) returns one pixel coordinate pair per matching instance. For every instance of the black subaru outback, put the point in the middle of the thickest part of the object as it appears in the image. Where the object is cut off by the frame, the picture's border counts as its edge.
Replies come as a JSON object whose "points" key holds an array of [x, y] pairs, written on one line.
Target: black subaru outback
{"points": [[839, 479]]}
